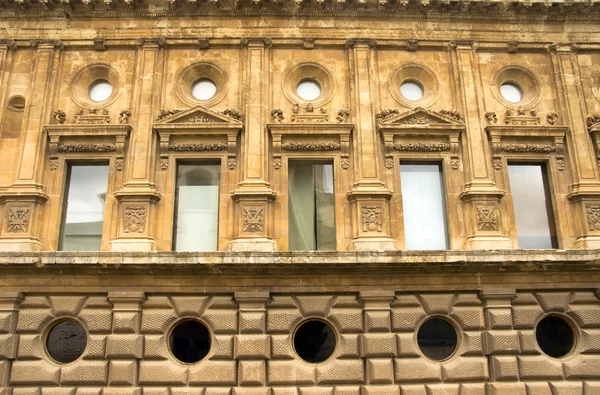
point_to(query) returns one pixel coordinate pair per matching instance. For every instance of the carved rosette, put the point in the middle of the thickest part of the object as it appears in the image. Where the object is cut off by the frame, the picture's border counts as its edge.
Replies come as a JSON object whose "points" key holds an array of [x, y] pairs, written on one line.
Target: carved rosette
{"points": [[134, 219], [371, 218], [487, 218], [593, 217], [254, 219], [18, 219]]}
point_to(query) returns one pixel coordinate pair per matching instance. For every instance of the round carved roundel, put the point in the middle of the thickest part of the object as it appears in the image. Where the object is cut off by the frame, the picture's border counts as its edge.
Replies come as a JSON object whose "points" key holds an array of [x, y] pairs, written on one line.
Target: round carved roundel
{"points": [[516, 88], [95, 86], [414, 85]]}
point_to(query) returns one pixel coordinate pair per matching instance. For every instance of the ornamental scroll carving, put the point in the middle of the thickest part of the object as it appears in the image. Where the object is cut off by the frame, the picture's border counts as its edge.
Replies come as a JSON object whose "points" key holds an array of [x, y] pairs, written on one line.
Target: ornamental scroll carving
{"points": [[422, 147], [18, 219], [593, 217], [592, 120], [310, 147], [487, 219], [198, 147], [386, 114], [134, 220], [254, 219], [371, 218]]}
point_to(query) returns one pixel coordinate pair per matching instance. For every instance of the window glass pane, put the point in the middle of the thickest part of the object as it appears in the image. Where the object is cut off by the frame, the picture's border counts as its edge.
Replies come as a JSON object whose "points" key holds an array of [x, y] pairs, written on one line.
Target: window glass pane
{"points": [[424, 206], [531, 201], [82, 223], [197, 207], [311, 204]]}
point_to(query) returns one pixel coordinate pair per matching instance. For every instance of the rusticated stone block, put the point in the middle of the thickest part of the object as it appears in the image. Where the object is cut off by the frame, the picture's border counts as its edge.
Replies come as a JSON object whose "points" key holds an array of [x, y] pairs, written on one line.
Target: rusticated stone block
{"points": [[349, 346], [122, 373], [586, 315], [222, 347], [347, 320], [121, 391], [538, 389], [34, 373], [469, 318], [316, 391], [539, 368], [380, 371], [377, 321], [66, 305], [156, 391], [417, 369], [465, 369], [282, 320], [250, 391], [89, 391], [506, 389], [252, 347], [526, 316], [157, 321], [437, 303], [554, 301], [213, 373], [379, 345], [499, 318], [252, 373], [590, 341], [347, 390], [33, 320], [291, 373], [96, 347], [252, 321], [472, 389], [217, 391], [29, 346], [284, 391], [566, 388], [59, 391], [380, 390], [591, 388], [502, 342], [97, 320], [190, 306], [124, 346], [505, 367], [6, 321], [472, 343], [8, 346], [582, 367], [281, 347], [187, 391], [125, 321], [221, 321], [85, 373], [3, 371], [27, 391], [314, 305], [407, 345], [407, 318], [442, 389], [342, 371], [528, 342], [155, 347], [162, 373], [413, 389]]}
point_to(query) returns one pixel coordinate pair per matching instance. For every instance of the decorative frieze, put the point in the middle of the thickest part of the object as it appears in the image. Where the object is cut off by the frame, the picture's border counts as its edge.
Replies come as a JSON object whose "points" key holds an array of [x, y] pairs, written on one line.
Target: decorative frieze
{"points": [[92, 117], [254, 219], [69, 148], [309, 115], [371, 218], [18, 218], [422, 147], [134, 219], [310, 147], [521, 117], [593, 217], [534, 148], [487, 218]]}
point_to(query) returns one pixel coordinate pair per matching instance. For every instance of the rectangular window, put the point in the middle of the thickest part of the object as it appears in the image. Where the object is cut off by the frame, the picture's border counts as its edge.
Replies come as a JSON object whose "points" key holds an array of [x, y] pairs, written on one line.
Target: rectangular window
{"points": [[423, 201], [83, 213], [196, 222], [532, 205], [311, 206]]}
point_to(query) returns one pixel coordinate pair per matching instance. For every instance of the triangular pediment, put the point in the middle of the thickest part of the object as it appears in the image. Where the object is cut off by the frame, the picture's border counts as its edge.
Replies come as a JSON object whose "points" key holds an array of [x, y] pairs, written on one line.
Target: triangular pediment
{"points": [[199, 115], [419, 117]]}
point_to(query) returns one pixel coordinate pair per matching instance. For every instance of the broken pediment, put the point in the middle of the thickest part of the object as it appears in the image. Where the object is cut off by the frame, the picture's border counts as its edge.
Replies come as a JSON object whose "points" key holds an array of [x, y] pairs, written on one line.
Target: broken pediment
{"points": [[419, 117], [200, 115]]}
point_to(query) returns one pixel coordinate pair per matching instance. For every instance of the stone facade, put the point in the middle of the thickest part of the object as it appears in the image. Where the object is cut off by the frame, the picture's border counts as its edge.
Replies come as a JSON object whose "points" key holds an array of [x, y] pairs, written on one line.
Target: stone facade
{"points": [[253, 292]]}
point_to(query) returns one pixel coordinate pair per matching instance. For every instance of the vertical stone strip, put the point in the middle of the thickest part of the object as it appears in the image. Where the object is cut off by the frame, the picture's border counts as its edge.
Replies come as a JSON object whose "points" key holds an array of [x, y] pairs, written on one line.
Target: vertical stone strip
{"points": [[378, 343], [124, 347], [254, 195], [252, 344], [480, 191], [5, 64], [501, 342], [9, 308], [586, 185], [137, 199], [369, 193]]}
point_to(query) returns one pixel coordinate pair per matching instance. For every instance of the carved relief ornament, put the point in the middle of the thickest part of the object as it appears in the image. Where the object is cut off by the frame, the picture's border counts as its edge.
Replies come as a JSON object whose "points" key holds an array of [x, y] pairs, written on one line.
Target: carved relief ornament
{"points": [[371, 218], [487, 218], [593, 124], [17, 219], [254, 219], [134, 219]]}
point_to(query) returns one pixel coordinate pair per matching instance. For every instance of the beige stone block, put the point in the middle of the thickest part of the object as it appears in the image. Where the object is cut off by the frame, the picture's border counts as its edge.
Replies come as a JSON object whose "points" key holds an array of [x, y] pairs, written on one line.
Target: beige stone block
{"points": [[377, 321], [89, 391], [155, 347], [156, 391], [123, 373], [566, 388], [124, 346], [472, 389], [539, 368], [502, 342], [465, 369], [554, 301], [284, 391], [34, 373], [281, 347], [472, 344], [582, 367], [30, 346], [416, 369], [499, 318], [526, 317], [66, 305], [347, 320], [314, 305], [506, 389], [407, 345], [442, 389], [349, 346], [121, 391], [217, 391], [380, 390], [162, 373], [252, 321], [380, 371], [505, 367], [282, 320], [412, 389], [85, 373], [528, 342], [4, 367], [437, 303], [125, 322], [250, 391], [252, 372], [379, 345], [33, 320], [591, 388], [27, 391], [469, 318], [291, 373], [252, 347], [222, 347], [347, 390], [590, 341], [8, 346], [316, 391], [190, 306], [538, 389], [407, 318], [586, 315], [213, 373], [97, 320], [59, 391], [341, 371], [157, 321], [6, 321], [187, 391], [96, 347], [221, 321]]}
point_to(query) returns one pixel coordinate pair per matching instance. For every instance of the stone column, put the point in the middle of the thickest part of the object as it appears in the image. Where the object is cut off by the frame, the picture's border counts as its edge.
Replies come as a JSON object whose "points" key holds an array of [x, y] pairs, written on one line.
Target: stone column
{"points": [[138, 197], [585, 190], [125, 346], [9, 339], [5, 65], [501, 342], [24, 199], [480, 194], [378, 343], [253, 196], [369, 195], [252, 344]]}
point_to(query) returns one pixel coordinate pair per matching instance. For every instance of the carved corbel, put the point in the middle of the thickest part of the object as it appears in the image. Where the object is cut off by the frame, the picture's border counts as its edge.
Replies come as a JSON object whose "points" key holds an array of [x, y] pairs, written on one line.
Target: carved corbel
{"points": [[345, 149], [560, 153], [454, 152], [203, 43], [497, 152], [277, 151], [389, 151], [231, 151], [164, 151], [120, 150], [99, 44], [8, 43], [53, 152]]}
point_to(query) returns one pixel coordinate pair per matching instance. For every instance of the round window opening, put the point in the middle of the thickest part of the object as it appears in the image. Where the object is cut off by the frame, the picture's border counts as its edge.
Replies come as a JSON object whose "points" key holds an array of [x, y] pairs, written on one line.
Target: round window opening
{"points": [[437, 339], [204, 89], [412, 90], [308, 90], [189, 341], [100, 90], [555, 336], [511, 92], [66, 341], [314, 341]]}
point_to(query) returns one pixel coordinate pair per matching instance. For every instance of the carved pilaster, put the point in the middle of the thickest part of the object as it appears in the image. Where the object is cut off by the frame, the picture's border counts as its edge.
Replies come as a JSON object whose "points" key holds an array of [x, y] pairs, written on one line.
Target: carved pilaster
{"points": [[9, 308]]}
